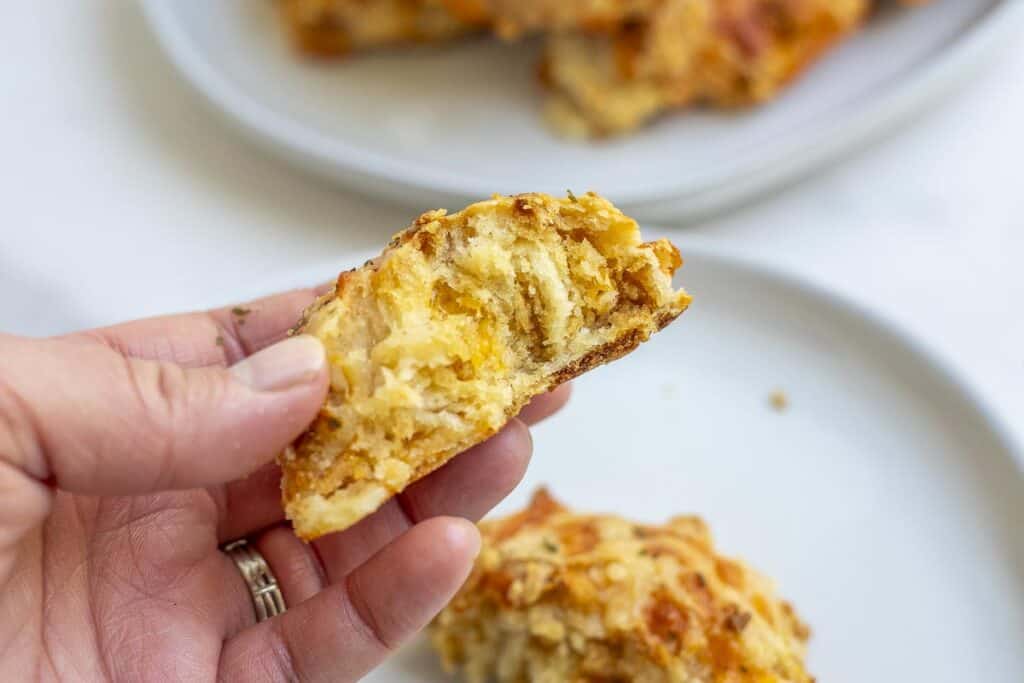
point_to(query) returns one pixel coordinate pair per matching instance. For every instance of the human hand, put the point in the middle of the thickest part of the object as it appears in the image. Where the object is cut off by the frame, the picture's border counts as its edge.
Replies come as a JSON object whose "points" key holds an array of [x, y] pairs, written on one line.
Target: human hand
{"points": [[129, 455]]}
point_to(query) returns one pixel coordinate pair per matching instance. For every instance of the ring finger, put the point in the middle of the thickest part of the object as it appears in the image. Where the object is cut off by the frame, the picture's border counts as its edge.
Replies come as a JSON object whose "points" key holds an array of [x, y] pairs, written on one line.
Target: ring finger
{"points": [[345, 630]]}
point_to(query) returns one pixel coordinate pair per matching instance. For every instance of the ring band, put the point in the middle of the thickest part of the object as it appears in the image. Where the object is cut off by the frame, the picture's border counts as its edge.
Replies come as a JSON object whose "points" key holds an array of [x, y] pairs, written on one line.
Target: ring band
{"points": [[266, 594]]}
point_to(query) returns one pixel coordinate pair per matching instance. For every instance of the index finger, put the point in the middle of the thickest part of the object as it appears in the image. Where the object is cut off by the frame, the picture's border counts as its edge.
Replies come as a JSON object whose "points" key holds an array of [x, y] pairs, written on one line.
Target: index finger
{"points": [[221, 336]]}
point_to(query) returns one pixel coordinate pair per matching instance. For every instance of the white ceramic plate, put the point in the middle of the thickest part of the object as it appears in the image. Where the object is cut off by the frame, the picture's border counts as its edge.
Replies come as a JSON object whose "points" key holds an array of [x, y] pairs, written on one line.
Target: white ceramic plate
{"points": [[455, 123], [886, 500]]}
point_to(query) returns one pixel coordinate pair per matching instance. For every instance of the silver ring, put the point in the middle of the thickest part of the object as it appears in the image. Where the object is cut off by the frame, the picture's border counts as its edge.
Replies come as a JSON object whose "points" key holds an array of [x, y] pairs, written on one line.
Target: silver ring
{"points": [[266, 594]]}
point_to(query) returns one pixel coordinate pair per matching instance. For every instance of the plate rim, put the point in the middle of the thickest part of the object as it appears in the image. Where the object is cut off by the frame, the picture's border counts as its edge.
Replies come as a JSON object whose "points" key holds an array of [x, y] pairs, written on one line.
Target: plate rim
{"points": [[889, 329], [383, 176]]}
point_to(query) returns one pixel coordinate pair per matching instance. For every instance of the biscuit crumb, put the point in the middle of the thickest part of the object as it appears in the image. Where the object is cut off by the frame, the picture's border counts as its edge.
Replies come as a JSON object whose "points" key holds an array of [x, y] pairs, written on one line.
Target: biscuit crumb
{"points": [[240, 312], [779, 401]]}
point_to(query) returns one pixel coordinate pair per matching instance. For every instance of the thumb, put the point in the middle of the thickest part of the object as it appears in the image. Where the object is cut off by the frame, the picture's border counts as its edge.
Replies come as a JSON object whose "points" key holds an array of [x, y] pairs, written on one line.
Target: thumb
{"points": [[81, 416]]}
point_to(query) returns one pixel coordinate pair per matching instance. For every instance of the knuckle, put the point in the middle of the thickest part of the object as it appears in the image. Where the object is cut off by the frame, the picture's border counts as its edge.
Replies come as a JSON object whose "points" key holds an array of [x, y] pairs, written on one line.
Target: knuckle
{"points": [[23, 465], [363, 620], [21, 443], [229, 334], [161, 392], [282, 664]]}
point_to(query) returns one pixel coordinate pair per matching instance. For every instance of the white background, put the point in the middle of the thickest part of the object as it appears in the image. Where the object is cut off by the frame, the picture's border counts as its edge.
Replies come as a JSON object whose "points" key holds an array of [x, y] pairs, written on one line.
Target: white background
{"points": [[123, 196]]}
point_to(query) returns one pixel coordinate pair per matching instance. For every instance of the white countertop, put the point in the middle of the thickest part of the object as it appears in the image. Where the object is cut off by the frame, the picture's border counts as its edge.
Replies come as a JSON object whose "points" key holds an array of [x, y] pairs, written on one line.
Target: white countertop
{"points": [[126, 197]]}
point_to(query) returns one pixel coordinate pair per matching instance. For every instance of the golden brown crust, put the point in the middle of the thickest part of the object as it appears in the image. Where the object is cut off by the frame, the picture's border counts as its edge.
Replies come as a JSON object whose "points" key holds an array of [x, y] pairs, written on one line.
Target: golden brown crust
{"points": [[726, 53], [334, 28], [512, 19], [557, 595], [606, 354], [446, 335]]}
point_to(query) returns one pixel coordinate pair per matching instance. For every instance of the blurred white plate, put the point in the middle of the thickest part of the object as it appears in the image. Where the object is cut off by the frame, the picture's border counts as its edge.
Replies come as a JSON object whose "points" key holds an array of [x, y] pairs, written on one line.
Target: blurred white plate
{"points": [[452, 124], [886, 500]]}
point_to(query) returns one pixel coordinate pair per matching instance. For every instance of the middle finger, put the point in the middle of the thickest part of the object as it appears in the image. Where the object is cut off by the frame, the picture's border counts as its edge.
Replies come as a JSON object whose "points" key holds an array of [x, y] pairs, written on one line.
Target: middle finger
{"points": [[468, 486], [254, 503]]}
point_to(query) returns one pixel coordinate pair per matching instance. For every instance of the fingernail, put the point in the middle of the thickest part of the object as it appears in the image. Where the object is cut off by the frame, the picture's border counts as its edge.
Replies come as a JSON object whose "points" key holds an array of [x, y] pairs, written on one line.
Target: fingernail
{"points": [[287, 364], [465, 534]]}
